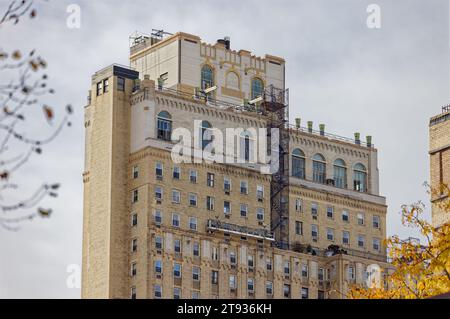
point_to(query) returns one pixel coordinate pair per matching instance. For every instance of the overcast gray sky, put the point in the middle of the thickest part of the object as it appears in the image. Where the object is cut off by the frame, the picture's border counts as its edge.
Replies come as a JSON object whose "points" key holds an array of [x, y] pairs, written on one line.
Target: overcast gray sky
{"points": [[384, 82]]}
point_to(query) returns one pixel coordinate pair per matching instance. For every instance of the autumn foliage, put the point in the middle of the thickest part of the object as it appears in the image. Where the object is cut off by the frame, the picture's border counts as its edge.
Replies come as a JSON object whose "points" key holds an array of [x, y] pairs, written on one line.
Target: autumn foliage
{"points": [[421, 270]]}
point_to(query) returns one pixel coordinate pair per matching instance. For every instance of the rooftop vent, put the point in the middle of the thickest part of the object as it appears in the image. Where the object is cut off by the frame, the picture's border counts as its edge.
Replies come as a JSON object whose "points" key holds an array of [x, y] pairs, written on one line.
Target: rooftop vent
{"points": [[225, 41]]}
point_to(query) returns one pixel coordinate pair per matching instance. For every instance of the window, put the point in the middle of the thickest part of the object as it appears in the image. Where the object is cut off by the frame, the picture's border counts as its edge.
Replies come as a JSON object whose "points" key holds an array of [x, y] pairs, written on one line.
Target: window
{"points": [[158, 266], [176, 293], [158, 217], [298, 228], [269, 288], [176, 174], [133, 293], [157, 291], [120, 84], [250, 261], [287, 267], [196, 273], [195, 295], [376, 221], [134, 219], [244, 187], [214, 254], [360, 240], [134, 245], [177, 245], [177, 270], [99, 88], [158, 192], [376, 244], [314, 209], [250, 285], [232, 282], [257, 88], [159, 170], [196, 249], [158, 242], [259, 192], [269, 264], [244, 209], [175, 220], [298, 205], [305, 270], [210, 180], [350, 273], [135, 172], [320, 294], [319, 169], [360, 219], [209, 203], [105, 85], [260, 214], [314, 231], [320, 274], [340, 173], [345, 216], [135, 196], [330, 212], [193, 176], [226, 183], [246, 147], [298, 163], [305, 293], [206, 134], [164, 126], [192, 223], [214, 277], [207, 77], [176, 196], [359, 178], [232, 258], [192, 199], [345, 237], [330, 234], [287, 291], [133, 269], [226, 207]]}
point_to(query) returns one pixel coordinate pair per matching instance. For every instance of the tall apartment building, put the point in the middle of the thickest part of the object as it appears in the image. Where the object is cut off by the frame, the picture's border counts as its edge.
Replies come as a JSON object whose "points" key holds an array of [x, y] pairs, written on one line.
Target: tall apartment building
{"points": [[439, 151], [154, 228]]}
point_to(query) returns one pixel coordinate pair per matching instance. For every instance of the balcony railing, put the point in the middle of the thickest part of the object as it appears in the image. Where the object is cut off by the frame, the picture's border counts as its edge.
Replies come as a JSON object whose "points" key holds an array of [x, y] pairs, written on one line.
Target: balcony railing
{"points": [[213, 225]]}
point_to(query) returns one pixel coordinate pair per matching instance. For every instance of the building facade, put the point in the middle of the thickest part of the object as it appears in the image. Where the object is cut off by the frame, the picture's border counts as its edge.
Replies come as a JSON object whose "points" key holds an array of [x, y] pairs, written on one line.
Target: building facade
{"points": [[439, 150], [158, 228]]}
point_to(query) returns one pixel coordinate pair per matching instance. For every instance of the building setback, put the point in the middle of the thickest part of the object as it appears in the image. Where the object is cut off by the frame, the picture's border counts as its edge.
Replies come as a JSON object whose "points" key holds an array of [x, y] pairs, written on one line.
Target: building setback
{"points": [[157, 229]]}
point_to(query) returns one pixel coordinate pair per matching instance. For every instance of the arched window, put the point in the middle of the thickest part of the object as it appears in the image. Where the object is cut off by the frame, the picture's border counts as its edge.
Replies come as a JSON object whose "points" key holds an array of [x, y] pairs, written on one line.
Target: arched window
{"points": [[319, 169], [232, 81], [206, 134], [340, 173], [257, 88], [246, 146], [298, 163], [359, 178], [207, 77], [164, 126]]}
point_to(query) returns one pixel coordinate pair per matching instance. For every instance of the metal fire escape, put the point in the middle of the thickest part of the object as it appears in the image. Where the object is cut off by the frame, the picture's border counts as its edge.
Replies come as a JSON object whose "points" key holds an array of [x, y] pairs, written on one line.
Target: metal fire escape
{"points": [[276, 107]]}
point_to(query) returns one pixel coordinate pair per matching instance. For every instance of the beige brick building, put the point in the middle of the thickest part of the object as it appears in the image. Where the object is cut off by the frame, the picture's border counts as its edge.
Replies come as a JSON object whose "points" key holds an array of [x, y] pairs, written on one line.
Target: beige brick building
{"points": [[154, 228], [440, 164]]}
